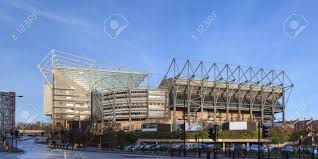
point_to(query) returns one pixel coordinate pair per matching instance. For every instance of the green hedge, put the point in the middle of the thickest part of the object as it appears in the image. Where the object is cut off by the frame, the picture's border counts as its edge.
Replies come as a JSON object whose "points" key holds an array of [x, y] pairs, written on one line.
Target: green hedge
{"points": [[238, 135]]}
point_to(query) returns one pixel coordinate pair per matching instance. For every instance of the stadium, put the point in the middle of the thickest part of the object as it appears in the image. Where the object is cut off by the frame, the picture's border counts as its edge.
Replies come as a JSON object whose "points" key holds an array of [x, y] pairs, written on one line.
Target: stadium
{"points": [[198, 92]]}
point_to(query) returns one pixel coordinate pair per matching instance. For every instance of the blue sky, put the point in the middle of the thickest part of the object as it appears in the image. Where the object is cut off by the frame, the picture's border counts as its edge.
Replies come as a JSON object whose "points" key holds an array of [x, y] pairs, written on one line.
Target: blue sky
{"points": [[246, 32]]}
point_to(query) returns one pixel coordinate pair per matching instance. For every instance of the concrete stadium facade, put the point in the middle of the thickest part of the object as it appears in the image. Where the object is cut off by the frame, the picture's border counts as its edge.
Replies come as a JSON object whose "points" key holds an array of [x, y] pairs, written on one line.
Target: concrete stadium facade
{"points": [[217, 93], [207, 93], [69, 83]]}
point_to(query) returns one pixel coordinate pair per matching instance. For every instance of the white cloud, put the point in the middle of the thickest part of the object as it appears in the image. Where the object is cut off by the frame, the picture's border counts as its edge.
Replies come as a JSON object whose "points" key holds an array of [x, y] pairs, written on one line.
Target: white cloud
{"points": [[26, 7], [64, 20], [6, 18]]}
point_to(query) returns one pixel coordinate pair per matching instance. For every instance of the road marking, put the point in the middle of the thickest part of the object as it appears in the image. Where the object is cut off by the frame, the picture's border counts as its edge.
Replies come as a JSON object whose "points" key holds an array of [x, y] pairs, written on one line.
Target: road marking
{"points": [[64, 154]]}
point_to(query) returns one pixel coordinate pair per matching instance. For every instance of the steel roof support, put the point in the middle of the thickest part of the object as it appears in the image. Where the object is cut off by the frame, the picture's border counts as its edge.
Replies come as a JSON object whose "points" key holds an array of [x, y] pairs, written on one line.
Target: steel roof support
{"points": [[237, 88], [227, 94]]}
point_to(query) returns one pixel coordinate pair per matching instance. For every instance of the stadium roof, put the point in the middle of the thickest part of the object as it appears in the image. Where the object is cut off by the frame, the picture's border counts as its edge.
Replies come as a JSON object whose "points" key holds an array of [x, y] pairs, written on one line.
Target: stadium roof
{"points": [[84, 72]]}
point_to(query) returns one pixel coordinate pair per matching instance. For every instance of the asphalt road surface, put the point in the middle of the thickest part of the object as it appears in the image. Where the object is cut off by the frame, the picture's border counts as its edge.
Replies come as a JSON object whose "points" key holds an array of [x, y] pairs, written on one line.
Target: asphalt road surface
{"points": [[39, 151]]}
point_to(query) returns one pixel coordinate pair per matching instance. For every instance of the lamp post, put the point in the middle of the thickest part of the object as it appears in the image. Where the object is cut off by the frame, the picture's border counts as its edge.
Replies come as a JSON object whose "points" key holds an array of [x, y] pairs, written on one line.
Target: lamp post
{"points": [[299, 147], [312, 142], [259, 139]]}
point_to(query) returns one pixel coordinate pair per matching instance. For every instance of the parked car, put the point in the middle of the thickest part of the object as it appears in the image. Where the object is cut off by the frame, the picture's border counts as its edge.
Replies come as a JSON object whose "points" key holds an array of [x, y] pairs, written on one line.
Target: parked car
{"points": [[310, 150], [157, 147], [240, 147], [254, 148], [164, 147], [314, 151], [288, 149], [190, 147], [130, 148], [265, 148], [154, 147], [136, 147], [247, 148], [147, 147], [231, 147], [210, 147], [200, 146], [276, 149], [177, 146]]}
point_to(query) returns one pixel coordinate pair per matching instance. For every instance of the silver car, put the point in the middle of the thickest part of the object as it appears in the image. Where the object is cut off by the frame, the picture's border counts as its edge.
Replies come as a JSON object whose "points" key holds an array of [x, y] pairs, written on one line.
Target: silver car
{"points": [[288, 148]]}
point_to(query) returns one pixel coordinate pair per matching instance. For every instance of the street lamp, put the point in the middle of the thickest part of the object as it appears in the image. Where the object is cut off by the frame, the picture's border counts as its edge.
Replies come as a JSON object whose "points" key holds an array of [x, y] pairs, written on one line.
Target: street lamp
{"points": [[299, 147], [259, 139]]}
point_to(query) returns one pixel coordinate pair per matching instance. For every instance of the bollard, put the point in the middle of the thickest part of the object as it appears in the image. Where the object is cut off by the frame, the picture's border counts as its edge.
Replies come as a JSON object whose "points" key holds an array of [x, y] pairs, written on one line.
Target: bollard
{"points": [[5, 146], [99, 146], [50, 145], [75, 146]]}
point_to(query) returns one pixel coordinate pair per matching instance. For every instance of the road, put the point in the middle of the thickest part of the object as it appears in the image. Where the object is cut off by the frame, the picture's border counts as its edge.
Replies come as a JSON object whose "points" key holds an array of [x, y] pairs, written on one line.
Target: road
{"points": [[39, 151]]}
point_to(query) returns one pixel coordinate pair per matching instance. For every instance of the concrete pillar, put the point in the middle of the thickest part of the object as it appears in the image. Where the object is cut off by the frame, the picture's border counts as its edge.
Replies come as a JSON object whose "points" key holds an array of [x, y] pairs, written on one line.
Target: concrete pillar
{"points": [[114, 100], [147, 104], [188, 99], [262, 104], [129, 105], [174, 107]]}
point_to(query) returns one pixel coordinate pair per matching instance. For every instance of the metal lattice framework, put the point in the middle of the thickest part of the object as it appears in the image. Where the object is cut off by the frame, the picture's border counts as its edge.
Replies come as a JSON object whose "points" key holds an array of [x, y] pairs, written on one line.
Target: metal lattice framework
{"points": [[85, 72], [60, 59], [72, 79], [206, 86]]}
